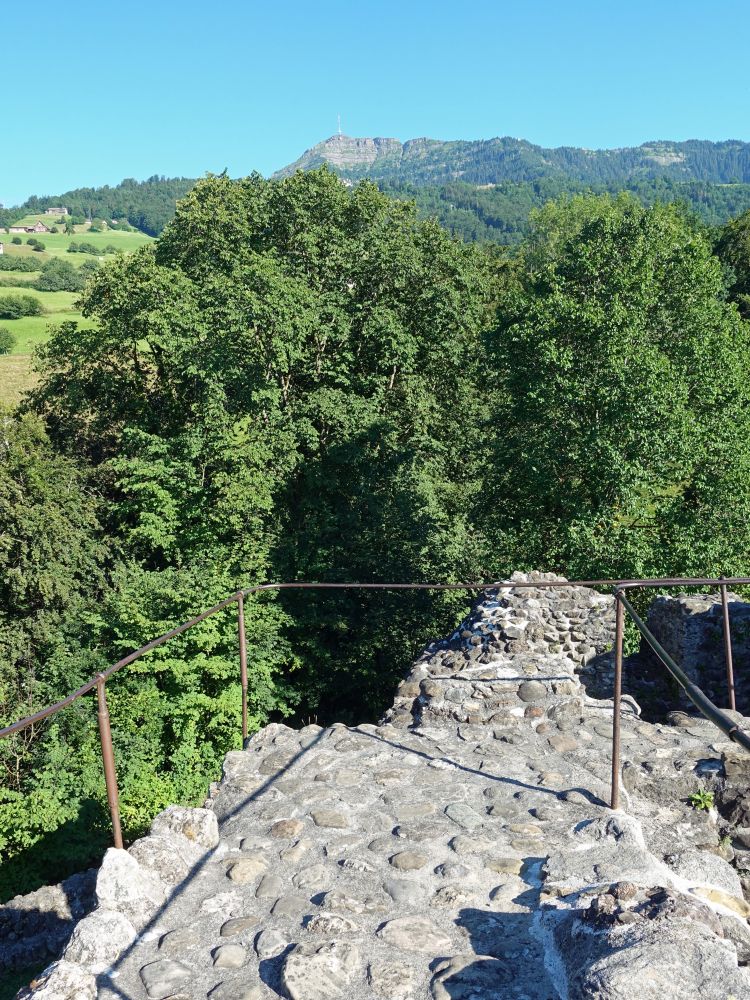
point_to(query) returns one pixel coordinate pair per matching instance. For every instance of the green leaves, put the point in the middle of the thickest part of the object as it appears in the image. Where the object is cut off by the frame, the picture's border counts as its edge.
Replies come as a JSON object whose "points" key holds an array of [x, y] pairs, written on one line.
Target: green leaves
{"points": [[612, 395]]}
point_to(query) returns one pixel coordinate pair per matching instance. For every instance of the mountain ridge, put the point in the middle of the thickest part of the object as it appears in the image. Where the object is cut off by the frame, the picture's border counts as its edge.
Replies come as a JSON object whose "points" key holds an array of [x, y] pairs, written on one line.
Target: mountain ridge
{"points": [[486, 161]]}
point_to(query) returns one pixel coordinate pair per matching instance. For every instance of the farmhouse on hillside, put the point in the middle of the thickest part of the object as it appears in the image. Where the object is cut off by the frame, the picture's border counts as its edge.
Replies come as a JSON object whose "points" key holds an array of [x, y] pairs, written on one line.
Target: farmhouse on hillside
{"points": [[38, 227], [56, 211]]}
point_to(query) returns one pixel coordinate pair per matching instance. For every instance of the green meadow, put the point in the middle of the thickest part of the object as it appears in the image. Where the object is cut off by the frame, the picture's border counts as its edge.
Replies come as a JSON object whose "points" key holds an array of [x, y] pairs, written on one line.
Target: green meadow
{"points": [[58, 243], [16, 375]]}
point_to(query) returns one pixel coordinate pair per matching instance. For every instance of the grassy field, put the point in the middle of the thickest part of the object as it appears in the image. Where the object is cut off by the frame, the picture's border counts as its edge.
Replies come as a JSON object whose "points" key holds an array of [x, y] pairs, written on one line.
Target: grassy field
{"points": [[16, 375], [56, 244]]}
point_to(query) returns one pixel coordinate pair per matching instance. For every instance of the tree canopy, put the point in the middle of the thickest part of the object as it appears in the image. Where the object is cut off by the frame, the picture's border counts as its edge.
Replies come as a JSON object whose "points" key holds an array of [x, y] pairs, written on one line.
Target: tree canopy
{"points": [[305, 381]]}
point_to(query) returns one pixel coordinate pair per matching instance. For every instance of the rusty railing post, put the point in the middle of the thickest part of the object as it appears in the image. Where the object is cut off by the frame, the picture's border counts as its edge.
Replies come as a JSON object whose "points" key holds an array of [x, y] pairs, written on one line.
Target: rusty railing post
{"points": [[108, 759], [727, 645], [617, 699], [243, 659]]}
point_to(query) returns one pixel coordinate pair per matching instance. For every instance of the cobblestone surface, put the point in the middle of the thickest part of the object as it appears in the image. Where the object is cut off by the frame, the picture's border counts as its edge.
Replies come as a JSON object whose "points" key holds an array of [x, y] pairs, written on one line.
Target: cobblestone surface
{"points": [[461, 849]]}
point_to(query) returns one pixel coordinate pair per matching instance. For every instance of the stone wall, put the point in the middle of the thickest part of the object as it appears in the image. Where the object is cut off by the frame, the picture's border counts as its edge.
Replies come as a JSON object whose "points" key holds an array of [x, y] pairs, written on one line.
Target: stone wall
{"points": [[690, 628], [462, 848], [35, 927]]}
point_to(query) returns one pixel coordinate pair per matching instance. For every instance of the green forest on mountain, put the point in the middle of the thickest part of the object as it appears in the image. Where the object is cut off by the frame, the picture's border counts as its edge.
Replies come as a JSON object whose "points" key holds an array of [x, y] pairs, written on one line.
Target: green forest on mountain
{"points": [[501, 183], [304, 381]]}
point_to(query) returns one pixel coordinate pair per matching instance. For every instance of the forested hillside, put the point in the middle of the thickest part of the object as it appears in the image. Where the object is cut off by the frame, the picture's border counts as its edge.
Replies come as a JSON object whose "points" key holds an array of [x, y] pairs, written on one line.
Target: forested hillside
{"points": [[325, 387], [500, 213], [480, 191], [493, 161], [146, 205]]}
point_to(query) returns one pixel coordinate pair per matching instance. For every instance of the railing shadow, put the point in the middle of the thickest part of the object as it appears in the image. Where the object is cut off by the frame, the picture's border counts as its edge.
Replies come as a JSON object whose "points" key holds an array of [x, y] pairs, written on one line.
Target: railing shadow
{"points": [[594, 800], [107, 980]]}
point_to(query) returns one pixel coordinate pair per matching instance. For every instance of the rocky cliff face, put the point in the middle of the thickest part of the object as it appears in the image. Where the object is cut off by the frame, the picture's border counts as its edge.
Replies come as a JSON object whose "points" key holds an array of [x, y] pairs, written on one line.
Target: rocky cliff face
{"points": [[345, 154], [494, 161], [462, 848]]}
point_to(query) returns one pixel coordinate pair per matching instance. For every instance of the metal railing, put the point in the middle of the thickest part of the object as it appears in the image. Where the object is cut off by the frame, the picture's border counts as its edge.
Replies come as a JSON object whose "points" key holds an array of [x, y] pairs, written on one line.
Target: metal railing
{"points": [[704, 705]]}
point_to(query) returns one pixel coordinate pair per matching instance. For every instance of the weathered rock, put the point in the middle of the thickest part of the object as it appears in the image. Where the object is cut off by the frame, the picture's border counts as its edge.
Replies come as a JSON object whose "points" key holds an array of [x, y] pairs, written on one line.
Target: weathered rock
{"points": [[99, 939], [270, 943], [287, 828], [164, 978], [319, 972], [651, 961], [391, 980], [463, 815], [123, 885], [35, 927], [330, 818], [62, 981], [238, 925], [196, 825], [473, 976], [408, 861], [247, 870], [229, 956], [415, 934]]}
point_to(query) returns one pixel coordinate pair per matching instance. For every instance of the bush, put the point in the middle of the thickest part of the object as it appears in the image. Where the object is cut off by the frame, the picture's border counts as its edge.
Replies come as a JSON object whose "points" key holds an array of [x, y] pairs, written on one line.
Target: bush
{"points": [[54, 229], [60, 276], [7, 340], [15, 306], [12, 262], [17, 240], [39, 247], [32, 241], [84, 248]]}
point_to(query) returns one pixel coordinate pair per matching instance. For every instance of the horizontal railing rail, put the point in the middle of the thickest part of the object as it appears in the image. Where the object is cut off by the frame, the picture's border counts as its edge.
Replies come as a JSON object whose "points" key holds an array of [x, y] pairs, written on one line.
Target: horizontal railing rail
{"points": [[622, 604]]}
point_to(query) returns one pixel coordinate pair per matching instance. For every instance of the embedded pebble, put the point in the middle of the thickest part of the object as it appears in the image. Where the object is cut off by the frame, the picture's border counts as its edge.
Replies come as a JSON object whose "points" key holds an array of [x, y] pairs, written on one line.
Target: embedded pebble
{"points": [[329, 818], [237, 925], [229, 956], [164, 977], [408, 861], [391, 980], [287, 828], [415, 934], [319, 972]]}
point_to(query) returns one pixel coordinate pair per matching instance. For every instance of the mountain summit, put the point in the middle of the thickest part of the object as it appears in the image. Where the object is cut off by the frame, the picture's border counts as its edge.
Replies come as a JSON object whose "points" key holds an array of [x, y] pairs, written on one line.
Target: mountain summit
{"points": [[492, 161]]}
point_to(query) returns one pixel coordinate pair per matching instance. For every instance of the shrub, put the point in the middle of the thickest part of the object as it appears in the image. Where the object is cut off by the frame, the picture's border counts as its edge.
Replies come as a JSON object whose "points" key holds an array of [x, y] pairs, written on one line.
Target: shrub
{"points": [[15, 306], [39, 246], [17, 240], [7, 340], [84, 248], [13, 262], [60, 276], [32, 241]]}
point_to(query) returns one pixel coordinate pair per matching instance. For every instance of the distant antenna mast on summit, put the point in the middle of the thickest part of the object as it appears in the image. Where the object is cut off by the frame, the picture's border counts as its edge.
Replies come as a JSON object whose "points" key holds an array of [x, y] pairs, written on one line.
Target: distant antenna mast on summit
{"points": [[340, 132]]}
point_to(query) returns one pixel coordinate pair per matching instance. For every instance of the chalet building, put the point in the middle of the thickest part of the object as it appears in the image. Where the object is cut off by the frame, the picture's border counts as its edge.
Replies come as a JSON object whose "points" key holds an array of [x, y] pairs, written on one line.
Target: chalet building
{"points": [[56, 211], [38, 227]]}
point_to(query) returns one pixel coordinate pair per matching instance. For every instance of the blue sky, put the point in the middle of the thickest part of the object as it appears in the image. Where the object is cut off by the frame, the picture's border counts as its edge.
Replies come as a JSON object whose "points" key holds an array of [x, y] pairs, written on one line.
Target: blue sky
{"points": [[96, 91]]}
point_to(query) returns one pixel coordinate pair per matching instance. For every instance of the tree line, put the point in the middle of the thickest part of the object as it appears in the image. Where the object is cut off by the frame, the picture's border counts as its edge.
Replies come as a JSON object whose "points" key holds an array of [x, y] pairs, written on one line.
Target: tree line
{"points": [[327, 387]]}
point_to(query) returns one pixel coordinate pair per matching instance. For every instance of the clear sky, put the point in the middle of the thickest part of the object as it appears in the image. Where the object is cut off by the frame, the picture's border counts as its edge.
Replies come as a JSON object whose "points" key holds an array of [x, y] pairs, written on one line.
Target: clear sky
{"points": [[96, 91]]}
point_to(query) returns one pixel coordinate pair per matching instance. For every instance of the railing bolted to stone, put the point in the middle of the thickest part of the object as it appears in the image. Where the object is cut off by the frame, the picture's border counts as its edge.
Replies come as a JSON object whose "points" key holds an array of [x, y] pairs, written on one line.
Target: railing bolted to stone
{"points": [[622, 605]]}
